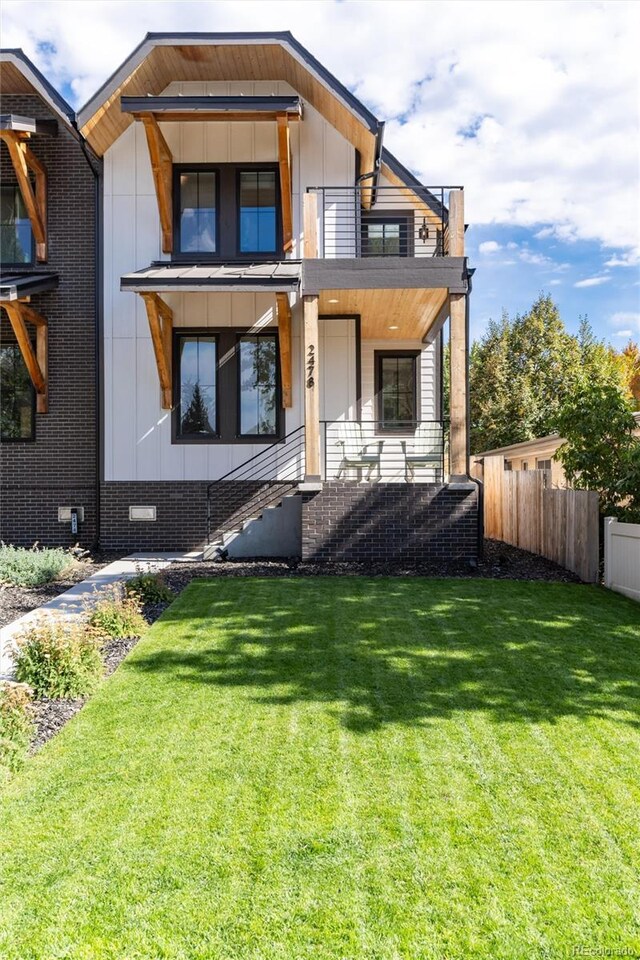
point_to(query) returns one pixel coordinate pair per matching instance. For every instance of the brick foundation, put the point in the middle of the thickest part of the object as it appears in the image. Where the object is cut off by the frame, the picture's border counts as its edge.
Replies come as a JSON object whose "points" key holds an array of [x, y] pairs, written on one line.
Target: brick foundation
{"points": [[390, 521]]}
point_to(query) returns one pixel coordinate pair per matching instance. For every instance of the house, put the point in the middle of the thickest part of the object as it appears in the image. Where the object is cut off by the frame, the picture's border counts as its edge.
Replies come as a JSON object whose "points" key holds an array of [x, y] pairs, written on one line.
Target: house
{"points": [[49, 185], [273, 289], [537, 454]]}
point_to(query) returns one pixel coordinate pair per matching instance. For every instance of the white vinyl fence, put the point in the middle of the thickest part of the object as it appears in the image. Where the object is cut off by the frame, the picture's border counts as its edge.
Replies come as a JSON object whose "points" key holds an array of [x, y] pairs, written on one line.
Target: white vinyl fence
{"points": [[622, 557]]}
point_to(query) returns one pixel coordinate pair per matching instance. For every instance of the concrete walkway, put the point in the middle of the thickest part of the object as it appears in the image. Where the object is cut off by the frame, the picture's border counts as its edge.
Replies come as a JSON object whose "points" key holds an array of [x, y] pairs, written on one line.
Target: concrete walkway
{"points": [[73, 602]]}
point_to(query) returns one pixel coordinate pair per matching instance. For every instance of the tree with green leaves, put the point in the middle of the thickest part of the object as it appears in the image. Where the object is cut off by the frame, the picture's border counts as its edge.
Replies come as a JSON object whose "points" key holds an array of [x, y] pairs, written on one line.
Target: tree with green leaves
{"points": [[600, 451]]}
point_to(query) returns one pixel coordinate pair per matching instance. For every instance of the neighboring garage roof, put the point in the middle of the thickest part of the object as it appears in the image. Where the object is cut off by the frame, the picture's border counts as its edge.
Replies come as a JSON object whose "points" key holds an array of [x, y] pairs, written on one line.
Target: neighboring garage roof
{"points": [[16, 285], [19, 75], [281, 277]]}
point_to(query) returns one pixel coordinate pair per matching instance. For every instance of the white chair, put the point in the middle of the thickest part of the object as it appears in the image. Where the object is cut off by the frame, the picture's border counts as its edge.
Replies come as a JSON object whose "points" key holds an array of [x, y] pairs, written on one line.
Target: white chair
{"points": [[424, 450], [356, 451]]}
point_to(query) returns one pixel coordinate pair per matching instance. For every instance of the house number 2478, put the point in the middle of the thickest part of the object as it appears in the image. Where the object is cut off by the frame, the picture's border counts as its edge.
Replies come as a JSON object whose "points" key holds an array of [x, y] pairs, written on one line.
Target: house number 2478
{"points": [[311, 365]]}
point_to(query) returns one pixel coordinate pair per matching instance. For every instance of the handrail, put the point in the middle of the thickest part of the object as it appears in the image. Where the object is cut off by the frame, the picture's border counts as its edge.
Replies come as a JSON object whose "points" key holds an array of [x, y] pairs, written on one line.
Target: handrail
{"points": [[277, 443]]}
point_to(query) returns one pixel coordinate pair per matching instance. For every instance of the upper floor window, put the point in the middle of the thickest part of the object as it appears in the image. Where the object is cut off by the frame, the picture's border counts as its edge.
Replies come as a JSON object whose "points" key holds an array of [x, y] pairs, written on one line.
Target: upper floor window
{"points": [[16, 238], [230, 211], [385, 235], [17, 396]]}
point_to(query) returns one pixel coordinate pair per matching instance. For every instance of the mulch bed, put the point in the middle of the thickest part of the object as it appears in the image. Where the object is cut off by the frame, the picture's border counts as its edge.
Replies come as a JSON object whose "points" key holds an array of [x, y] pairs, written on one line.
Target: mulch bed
{"points": [[16, 601], [500, 561]]}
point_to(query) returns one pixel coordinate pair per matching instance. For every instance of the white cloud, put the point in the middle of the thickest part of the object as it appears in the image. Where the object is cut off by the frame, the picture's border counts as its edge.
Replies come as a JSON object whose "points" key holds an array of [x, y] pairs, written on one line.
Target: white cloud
{"points": [[629, 259], [628, 320], [536, 115], [488, 246], [592, 281], [555, 283]]}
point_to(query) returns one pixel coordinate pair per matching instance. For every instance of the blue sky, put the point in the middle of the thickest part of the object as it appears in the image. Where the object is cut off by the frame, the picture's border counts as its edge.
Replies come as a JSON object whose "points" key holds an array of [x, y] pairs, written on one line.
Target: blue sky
{"points": [[533, 105]]}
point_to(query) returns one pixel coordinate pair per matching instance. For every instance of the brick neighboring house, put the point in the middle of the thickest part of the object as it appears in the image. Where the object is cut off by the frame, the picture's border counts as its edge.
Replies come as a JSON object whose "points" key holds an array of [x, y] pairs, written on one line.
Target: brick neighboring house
{"points": [[48, 436], [273, 287]]}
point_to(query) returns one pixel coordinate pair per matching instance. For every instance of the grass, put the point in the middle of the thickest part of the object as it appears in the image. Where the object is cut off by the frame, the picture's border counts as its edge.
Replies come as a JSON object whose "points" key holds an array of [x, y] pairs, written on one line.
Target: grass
{"points": [[329, 769], [32, 567]]}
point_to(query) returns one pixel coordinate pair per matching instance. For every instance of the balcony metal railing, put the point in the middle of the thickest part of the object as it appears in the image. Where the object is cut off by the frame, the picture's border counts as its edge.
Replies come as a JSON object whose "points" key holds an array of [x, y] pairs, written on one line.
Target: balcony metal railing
{"points": [[384, 221], [382, 451]]}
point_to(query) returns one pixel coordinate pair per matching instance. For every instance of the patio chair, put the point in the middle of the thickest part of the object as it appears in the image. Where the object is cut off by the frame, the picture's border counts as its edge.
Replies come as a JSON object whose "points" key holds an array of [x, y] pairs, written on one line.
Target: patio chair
{"points": [[356, 451], [424, 450]]}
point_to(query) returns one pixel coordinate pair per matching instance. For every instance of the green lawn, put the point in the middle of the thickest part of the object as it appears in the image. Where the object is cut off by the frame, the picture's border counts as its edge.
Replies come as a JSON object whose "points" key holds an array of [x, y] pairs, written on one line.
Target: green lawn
{"points": [[342, 768]]}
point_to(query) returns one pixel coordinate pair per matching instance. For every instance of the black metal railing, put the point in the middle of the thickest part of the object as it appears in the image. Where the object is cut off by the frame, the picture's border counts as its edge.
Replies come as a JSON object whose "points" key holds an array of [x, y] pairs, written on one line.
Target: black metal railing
{"points": [[383, 221], [260, 482], [387, 451]]}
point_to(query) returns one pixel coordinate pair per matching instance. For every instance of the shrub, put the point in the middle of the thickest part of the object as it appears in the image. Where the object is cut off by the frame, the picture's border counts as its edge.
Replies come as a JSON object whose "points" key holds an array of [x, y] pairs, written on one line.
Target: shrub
{"points": [[32, 567], [118, 614], [150, 588], [16, 726], [58, 659]]}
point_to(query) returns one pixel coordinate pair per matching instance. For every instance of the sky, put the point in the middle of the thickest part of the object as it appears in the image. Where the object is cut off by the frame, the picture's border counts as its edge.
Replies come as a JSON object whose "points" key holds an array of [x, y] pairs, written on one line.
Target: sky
{"points": [[533, 105]]}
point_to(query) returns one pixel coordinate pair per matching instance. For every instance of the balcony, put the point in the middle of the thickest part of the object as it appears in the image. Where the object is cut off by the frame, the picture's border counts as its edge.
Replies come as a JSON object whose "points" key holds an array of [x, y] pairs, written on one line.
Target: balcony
{"points": [[385, 221]]}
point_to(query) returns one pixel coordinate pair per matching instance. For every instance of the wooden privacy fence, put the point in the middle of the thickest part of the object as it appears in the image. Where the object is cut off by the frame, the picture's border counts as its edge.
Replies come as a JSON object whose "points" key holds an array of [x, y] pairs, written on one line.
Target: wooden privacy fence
{"points": [[523, 509], [622, 557]]}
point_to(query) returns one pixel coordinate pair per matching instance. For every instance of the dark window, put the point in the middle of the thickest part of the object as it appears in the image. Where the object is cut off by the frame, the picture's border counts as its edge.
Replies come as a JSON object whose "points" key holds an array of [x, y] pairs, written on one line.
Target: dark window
{"points": [[198, 205], [198, 375], [385, 235], [508, 465], [258, 385], [543, 465], [17, 396], [525, 465], [227, 212], [16, 238], [226, 386], [258, 211], [396, 390]]}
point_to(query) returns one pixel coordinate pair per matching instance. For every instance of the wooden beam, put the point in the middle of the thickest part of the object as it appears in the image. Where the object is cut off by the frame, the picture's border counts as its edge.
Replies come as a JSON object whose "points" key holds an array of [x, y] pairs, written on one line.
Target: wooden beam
{"points": [[310, 226], [313, 470], [459, 386], [456, 224], [284, 340], [160, 317], [367, 165], [22, 158], [162, 169], [36, 363], [284, 162]]}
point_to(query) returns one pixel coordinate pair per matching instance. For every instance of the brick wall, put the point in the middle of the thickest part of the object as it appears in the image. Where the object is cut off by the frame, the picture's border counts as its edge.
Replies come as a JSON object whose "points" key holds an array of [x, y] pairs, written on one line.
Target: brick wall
{"points": [[59, 467], [362, 522]]}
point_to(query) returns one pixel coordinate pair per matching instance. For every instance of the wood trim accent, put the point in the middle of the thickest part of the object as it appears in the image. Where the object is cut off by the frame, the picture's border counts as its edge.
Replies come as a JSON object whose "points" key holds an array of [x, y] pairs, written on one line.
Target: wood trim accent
{"points": [[310, 226], [284, 341], [313, 470], [459, 390], [162, 169], [160, 317], [209, 116], [456, 224], [36, 363], [284, 163], [23, 159]]}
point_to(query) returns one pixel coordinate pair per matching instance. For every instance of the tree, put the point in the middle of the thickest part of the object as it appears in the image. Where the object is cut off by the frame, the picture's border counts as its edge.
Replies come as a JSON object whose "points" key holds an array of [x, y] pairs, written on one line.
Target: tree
{"points": [[630, 362], [600, 451], [196, 417]]}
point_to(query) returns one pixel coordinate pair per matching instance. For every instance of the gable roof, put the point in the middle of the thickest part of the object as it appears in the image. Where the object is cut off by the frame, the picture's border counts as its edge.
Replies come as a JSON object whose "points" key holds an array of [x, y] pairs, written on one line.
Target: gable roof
{"points": [[19, 75], [165, 57]]}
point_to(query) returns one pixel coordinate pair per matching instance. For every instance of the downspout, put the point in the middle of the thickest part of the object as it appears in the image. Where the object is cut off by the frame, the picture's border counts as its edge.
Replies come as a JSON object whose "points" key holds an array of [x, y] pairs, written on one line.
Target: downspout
{"points": [[95, 165]]}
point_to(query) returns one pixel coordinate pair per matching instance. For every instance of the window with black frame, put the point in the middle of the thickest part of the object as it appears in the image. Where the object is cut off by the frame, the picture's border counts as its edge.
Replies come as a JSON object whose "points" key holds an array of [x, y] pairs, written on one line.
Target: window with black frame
{"points": [[198, 211], [257, 211], [385, 235], [197, 414], [17, 396], [396, 390], [16, 237], [257, 357]]}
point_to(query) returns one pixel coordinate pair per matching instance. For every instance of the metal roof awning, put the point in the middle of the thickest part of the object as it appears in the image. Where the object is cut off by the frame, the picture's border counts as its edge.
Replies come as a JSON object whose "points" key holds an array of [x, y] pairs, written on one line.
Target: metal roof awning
{"points": [[280, 277], [11, 121], [184, 108], [16, 286]]}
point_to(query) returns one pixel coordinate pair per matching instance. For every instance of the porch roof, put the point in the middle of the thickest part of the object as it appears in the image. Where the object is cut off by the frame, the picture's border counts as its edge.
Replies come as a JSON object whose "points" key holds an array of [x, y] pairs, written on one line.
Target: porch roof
{"points": [[280, 276], [172, 108], [12, 121], [14, 286]]}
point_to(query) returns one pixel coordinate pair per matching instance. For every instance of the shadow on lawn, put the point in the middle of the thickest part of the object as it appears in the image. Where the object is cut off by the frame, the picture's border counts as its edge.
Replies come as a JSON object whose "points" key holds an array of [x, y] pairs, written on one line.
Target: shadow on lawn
{"points": [[408, 652]]}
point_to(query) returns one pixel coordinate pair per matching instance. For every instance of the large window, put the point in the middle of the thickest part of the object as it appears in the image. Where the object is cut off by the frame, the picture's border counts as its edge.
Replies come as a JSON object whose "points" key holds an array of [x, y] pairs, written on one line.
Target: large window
{"points": [[16, 238], [385, 235], [198, 375], [17, 396], [227, 212], [226, 386], [396, 389]]}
